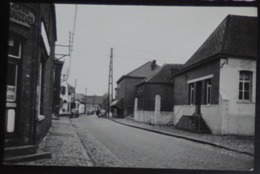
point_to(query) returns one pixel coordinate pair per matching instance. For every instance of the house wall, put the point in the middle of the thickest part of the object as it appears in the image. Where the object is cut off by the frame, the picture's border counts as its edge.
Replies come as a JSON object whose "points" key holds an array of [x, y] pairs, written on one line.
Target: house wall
{"points": [[180, 110], [150, 90], [144, 116], [26, 89], [181, 87], [240, 116], [155, 116], [229, 115], [29, 127], [126, 91], [65, 109], [212, 116], [47, 15]]}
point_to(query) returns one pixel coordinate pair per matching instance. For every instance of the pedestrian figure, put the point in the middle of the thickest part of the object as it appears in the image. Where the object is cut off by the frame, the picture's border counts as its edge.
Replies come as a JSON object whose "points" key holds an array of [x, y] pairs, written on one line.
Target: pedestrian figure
{"points": [[98, 113]]}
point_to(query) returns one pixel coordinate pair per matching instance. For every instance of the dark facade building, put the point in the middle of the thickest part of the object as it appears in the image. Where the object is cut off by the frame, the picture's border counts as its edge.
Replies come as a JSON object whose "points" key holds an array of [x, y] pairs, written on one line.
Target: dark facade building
{"points": [[29, 97], [123, 105], [93, 103], [217, 85], [154, 96], [159, 83]]}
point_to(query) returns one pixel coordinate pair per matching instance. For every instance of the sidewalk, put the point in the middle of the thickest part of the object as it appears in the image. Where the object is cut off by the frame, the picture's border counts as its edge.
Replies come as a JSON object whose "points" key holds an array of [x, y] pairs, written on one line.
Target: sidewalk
{"points": [[242, 144], [64, 144]]}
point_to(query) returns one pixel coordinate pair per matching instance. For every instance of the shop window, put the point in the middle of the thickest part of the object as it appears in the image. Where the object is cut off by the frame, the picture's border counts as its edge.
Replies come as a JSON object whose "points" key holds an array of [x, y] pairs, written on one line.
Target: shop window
{"points": [[191, 93], [208, 91], [245, 85], [11, 82], [14, 46]]}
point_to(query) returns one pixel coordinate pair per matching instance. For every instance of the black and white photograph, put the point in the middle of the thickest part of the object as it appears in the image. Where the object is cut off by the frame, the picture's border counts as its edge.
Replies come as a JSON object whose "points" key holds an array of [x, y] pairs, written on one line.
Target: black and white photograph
{"points": [[131, 86]]}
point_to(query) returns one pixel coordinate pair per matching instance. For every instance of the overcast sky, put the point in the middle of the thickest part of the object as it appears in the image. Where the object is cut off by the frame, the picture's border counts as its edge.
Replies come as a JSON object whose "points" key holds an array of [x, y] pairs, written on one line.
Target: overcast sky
{"points": [[137, 34]]}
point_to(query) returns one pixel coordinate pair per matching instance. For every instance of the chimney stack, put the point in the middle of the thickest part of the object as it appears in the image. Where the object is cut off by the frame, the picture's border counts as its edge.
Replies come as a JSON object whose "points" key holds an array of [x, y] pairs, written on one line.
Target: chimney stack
{"points": [[153, 65]]}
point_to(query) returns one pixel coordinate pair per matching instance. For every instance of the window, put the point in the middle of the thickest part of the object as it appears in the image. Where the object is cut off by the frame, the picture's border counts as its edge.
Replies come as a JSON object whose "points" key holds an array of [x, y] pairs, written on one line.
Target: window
{"points": [[208, 91], [245, 85], [191, 93], [14, 47], [11, 82]]}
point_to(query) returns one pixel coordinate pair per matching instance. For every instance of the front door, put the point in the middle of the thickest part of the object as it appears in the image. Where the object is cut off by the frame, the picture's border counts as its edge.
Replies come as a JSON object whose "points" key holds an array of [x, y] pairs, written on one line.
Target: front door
{"points": [[198, 93]]}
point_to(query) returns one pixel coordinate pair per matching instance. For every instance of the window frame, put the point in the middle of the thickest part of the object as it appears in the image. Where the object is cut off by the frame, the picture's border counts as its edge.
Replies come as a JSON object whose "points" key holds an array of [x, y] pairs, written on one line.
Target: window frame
{"points": [[19, 45], [191, 93], [244, 81], [208, 91]]}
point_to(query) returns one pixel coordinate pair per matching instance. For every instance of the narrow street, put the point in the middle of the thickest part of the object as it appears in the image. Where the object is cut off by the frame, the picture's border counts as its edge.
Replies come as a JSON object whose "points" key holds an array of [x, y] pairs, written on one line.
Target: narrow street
{"points": [[112, 144]]}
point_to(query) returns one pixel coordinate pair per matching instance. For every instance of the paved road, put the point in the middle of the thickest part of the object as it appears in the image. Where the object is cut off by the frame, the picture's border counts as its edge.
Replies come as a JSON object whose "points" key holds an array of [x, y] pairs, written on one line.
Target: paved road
{"points": [[139, 148]]}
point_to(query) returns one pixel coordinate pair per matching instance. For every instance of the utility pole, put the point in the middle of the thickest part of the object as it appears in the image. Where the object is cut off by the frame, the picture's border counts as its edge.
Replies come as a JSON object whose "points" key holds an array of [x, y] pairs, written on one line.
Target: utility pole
{"points": [[86, 100], [75, 90], [110, 82]]}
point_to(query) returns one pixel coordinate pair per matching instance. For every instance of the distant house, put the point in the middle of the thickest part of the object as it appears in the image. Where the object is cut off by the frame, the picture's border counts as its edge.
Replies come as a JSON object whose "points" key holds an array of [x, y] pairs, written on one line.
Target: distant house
{"points": [[123, 105], [80, 102], [66, 95], [159, 84], [217, 85], [93, 102]]}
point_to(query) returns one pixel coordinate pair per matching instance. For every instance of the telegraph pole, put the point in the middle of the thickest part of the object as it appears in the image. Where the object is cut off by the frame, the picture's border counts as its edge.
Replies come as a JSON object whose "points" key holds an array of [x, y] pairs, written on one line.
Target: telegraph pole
{"points": [[86, 100], [75, 90], [110, 82]]}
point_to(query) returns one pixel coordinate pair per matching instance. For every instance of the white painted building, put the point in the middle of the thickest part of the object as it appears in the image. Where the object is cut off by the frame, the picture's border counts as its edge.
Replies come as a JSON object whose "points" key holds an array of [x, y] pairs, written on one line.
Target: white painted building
{"points": [[218, 83], [66, 94]]}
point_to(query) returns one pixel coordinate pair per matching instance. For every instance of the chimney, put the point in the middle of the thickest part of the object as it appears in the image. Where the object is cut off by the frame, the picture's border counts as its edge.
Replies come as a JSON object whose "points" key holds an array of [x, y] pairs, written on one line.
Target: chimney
{"points": [[153, 65]]}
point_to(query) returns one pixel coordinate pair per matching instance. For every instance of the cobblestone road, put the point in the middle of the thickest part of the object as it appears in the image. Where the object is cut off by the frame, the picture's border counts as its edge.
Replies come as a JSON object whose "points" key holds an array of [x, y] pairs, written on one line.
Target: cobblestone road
{"points": [[92, 141], [112, 144], [239, 143], [65, 146]]}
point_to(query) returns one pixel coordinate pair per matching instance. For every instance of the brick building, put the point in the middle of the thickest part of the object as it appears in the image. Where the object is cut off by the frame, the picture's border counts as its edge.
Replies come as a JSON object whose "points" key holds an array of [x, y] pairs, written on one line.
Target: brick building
{"points": [[29, 96], [93, 103], [217, 85], [123, 105], [161, 84]]}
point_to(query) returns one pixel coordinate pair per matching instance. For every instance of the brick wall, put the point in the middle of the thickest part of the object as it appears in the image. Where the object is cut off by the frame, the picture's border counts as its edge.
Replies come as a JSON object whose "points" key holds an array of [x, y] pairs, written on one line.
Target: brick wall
{"points": [[46, 15], [129, 95], [150, 90], [27, 126], [181, 87]]}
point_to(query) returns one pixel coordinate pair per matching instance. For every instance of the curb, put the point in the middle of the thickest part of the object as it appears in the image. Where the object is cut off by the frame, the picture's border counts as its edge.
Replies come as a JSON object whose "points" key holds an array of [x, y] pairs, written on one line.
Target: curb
{"points": [[183, 137], [89, 161]]}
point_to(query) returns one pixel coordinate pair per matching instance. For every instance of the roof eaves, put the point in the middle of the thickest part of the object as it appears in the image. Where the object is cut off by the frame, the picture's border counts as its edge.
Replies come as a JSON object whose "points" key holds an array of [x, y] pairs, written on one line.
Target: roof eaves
{"points": [[211, 58]]}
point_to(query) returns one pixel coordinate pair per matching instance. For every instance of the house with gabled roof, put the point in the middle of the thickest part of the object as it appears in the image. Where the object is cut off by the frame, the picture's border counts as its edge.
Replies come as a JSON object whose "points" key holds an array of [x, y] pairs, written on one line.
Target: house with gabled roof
{"points": [[123, 105], [66, 98], [158, 86], [216, 89], [93, 103], [80, 102]]}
